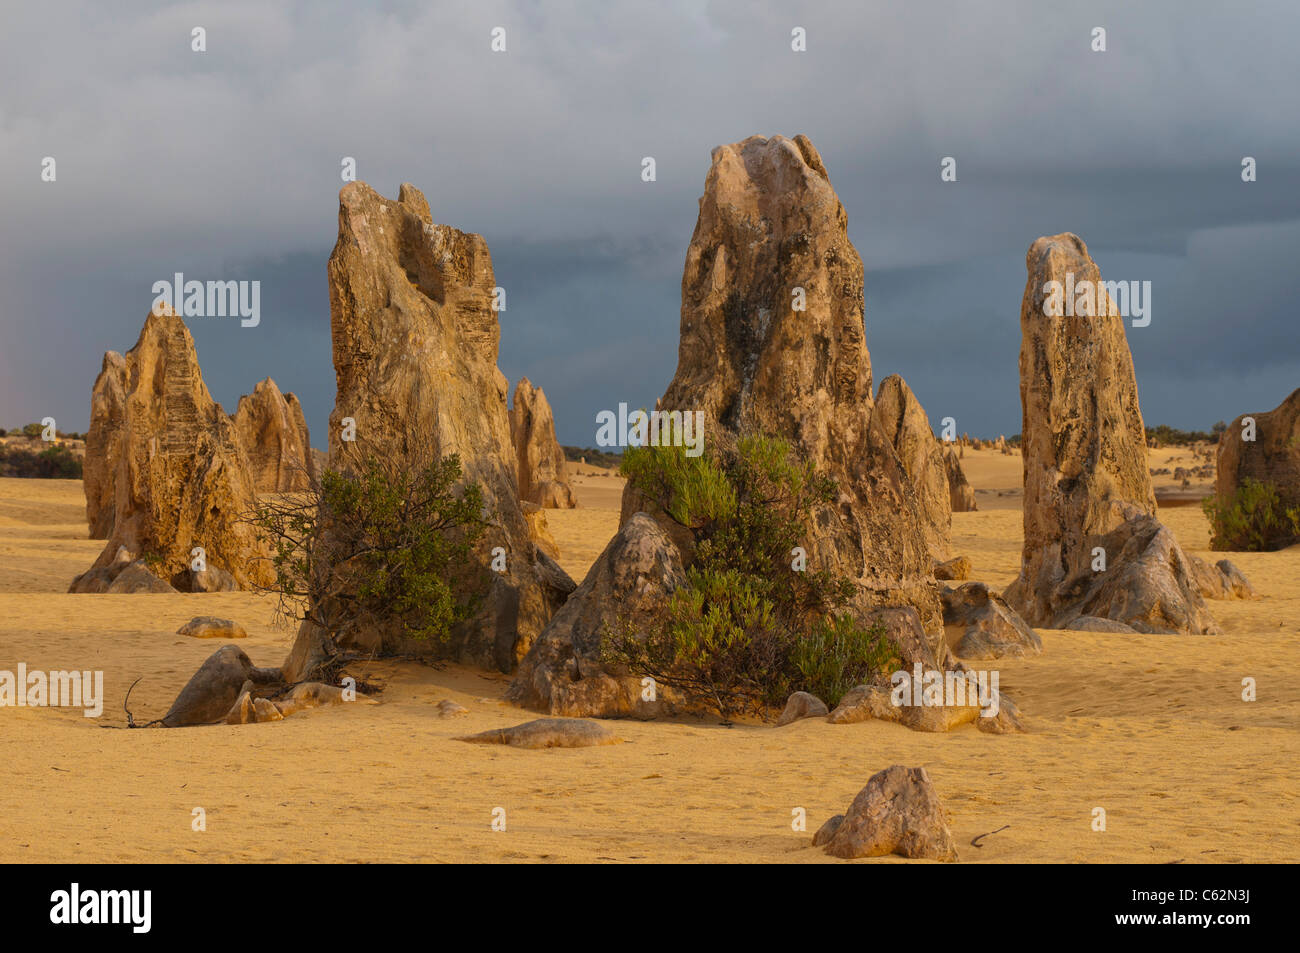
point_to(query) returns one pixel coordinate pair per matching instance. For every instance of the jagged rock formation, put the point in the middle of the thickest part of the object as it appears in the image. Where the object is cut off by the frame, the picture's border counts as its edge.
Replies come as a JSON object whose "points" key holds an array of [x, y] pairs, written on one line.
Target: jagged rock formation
{"points": [[104, 444], [1085, 464], [630, 583], [1272, 457], [181, 479], [539, 531], [772, 342], [273, 432], [908, 428], [543, 476], [898, 812], [985, 627], [1223, 580], [415, 358], [772, 236], [961, 495]]}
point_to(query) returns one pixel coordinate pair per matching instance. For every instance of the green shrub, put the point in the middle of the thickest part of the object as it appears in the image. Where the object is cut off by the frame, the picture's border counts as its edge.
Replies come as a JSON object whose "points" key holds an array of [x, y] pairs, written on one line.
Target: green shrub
{"points": [[1255, 519], [391, 546], [745, 629], [838, 654]]}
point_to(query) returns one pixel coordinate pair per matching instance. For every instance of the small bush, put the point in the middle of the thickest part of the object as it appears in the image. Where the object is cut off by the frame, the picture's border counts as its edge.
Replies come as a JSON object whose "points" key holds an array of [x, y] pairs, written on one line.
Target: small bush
{"points": [[838, 654], [747, 629], [390, 546], [1255, 519]]}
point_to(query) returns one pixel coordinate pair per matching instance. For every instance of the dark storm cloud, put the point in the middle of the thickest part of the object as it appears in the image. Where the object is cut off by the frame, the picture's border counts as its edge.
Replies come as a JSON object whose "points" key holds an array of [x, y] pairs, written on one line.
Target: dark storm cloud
{"points": [[226, 164]]}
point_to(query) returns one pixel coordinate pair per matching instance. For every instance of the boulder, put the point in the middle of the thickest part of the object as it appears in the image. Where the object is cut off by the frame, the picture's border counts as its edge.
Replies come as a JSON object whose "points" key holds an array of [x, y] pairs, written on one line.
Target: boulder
{"points": [[1085, 461], [773, 342], [449, 709], [213, 690], [125, 574], [543, 473], [1149, 584], [802, 705], [273, 432], [986, 627], [629, 584], [1273, 456], [547, 733], [958, 568], [908, 429], [210, 627], [1222, 580], [898, 812], [415, 338], [961, 495], [181, 479], [104, 444]]}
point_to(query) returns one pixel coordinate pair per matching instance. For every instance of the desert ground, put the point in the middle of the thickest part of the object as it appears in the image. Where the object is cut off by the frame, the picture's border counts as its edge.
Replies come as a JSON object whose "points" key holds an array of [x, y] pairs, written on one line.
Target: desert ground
{"points": [[1152, 728]]}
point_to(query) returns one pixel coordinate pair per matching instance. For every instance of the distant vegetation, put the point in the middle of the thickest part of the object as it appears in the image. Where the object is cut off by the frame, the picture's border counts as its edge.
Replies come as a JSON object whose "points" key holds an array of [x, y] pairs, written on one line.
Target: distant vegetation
{"points": [[597, 458], [56, 462], [1166, 436], [748, 628]]}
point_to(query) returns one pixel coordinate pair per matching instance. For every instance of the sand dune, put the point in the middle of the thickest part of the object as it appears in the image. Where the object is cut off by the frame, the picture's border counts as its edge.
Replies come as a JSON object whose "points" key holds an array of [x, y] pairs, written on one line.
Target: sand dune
{"points": [[1151, 728]]}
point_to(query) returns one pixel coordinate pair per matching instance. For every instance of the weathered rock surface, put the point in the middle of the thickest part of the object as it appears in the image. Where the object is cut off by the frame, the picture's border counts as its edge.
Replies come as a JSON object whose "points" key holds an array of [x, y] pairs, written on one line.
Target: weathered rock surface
{"points": [[1085, 463], [772, 234], [1222, 580], [125, 574], [273, 432], [181, 480], [907, 427], [104, 444], [898, 812], [1149, 584], [630, 583], [415, 357], [802, 705], [210, 627], [543, 473], [1272, 457], [539, 531], [961, 495], [250, 709], [315, 695], [213, 690], [986, 627], [1091, 623], [547, 733], [449, 709], [958, 568]]}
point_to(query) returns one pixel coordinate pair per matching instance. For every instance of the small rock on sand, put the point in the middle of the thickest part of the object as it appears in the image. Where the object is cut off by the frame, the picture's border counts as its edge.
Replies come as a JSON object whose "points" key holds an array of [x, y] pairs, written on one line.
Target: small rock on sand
{"points": [[210, 627], [547, 733]]}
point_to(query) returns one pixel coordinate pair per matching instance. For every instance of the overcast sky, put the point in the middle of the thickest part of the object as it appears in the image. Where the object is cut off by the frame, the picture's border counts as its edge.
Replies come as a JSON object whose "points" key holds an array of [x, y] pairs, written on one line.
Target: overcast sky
{"points": [[226, 164]]}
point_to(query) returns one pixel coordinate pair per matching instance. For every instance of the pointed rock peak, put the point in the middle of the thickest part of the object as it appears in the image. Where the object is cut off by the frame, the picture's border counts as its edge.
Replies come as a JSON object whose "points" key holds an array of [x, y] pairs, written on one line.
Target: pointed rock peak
{"points": [[414, 200]]}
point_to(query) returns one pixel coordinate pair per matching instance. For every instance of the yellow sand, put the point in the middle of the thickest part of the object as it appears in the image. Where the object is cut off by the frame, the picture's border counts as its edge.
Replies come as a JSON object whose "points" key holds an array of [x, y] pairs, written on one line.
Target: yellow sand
{"points": [[1150, 728]]}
